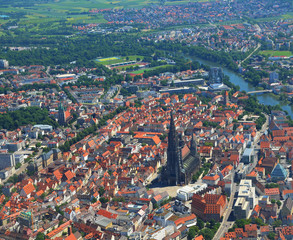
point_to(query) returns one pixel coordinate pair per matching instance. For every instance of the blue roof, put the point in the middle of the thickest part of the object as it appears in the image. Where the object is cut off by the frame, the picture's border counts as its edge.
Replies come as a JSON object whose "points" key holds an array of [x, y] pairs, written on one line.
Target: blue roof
{"points": [[247, 151], [279, 172]]}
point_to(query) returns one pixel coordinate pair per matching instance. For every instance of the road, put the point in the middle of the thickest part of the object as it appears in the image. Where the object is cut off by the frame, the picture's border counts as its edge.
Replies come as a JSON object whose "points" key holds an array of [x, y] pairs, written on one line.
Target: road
{"points": [[258, 46], [255, 142], [118, 92], [48, 71], [225, 224], [262, 131]]}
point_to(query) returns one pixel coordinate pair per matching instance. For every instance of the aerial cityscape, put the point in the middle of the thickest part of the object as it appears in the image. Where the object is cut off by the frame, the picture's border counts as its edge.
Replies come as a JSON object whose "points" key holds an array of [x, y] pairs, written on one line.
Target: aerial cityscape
{"points": [[155, 119]]}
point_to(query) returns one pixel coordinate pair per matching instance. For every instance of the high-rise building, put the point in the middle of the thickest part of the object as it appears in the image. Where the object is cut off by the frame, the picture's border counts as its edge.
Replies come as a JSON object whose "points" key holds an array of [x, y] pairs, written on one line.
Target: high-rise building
{"points": [[274, 77], [4, 63], [6, 159], [216, 75], [182, 161]]}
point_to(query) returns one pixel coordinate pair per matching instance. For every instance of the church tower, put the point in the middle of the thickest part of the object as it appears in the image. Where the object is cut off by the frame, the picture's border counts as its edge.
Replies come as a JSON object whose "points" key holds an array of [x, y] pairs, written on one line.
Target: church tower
{"points": [[194, 153], [193, 146], [174, 172], [61, 114]]}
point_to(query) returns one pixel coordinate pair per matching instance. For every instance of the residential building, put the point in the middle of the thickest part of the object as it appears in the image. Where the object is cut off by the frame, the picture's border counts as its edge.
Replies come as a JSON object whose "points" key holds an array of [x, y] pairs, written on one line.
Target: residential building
{"points": [[208, 207]]}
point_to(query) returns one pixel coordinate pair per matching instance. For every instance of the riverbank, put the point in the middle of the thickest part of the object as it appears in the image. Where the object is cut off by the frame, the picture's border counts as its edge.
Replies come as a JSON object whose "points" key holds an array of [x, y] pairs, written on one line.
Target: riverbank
{"points": [[236, 79]]}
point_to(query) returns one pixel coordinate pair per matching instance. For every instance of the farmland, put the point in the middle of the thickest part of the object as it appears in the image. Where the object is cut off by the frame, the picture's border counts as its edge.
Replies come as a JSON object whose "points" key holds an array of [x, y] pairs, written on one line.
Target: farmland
{"points": [[70, 11]]}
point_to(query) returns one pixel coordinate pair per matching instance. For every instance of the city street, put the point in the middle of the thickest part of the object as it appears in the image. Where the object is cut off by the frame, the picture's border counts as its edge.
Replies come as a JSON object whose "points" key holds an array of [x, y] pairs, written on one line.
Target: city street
{"points": [[225, 224]]}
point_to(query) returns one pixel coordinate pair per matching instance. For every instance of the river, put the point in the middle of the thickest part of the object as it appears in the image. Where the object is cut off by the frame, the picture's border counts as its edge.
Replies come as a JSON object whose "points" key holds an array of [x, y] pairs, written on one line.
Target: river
{"points": [[264, 98]]}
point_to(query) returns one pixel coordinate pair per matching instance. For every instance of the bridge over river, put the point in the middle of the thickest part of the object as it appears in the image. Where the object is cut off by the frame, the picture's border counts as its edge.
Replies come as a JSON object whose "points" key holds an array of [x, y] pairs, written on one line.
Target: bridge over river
{"points": [[260, 91]]}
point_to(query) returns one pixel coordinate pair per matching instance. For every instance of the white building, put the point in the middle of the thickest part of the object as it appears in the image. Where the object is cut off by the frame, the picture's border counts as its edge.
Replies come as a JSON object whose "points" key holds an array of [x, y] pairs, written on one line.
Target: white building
{"points": [[4, 63], [247, 191], [186, 193]]}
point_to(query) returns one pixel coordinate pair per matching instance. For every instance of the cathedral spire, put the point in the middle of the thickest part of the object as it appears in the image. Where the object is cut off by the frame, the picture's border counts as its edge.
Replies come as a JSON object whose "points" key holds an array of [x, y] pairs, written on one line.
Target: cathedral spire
{"points": [[174, 173], [193, 145], [172, 136], [61, 114]]}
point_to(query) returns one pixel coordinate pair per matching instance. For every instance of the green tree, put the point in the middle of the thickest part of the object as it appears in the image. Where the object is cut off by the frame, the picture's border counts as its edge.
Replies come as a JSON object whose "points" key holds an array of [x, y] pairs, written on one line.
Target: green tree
{"points": [[40, 236], [104, 200], [271, 236], [38, 144], [206, 233], [277, 223], [164, 82], [18, 165], [200, 223], [191, 233]]}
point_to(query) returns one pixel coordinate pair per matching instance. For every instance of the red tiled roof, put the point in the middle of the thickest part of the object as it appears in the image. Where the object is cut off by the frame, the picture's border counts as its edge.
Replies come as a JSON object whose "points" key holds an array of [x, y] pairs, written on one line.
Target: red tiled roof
{"points": [[57, 174], [69, 175], [29, 188], [107, 214]]}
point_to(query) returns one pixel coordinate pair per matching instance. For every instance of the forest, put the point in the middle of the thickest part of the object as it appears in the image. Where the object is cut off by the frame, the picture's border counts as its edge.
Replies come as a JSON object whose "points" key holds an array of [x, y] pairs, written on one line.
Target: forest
{"points": [[24, 116], [83, 50]]}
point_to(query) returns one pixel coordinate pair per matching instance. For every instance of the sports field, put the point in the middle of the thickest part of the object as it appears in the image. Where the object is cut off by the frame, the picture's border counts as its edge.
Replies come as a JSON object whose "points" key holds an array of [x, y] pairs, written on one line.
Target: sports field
{"points": [[113, 60], [107, 59], [148, 69], [276, 53]]}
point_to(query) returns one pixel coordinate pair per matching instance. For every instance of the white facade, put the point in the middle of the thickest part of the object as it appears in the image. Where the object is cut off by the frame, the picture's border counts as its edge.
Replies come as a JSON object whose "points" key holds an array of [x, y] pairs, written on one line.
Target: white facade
{"points": [[186, 193], [247, 191]]}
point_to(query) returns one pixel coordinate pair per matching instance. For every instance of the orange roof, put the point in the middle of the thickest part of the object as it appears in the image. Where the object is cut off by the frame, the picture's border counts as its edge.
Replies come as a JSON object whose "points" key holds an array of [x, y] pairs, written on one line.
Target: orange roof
{"points": [[257, 208], [211, 178], [289, 191], [107, 214], [57, 174], [71, 237], [199, 238], [250, 227], [184, 219], [272, 191], [69, 175], [29, 188]]}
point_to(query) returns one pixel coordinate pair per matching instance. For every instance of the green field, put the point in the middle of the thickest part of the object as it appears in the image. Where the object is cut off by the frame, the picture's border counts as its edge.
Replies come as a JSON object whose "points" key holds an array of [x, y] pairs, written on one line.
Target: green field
{"points": [[107, 59], [149, 69], [113, 60], [73, 11], [276, 53], [127, 66]]}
